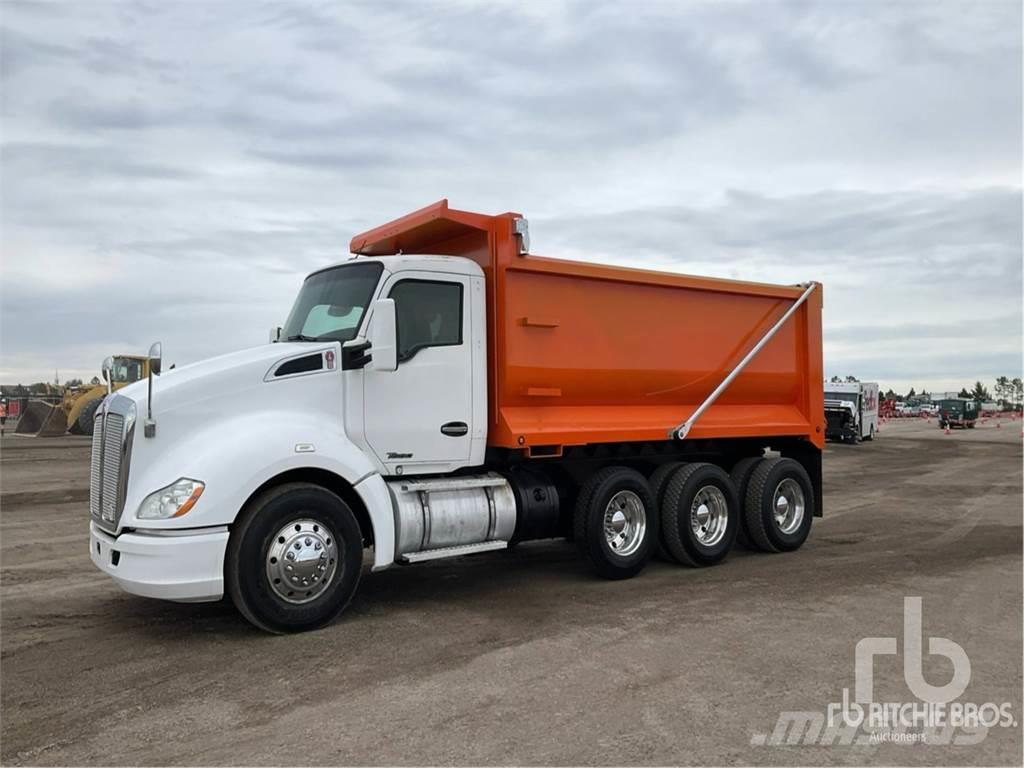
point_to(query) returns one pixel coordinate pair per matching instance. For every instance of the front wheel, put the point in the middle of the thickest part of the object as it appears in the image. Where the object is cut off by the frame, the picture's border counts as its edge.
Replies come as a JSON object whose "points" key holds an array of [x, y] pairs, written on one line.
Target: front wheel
{"points": [[294, 559], [615, 523], [86, 420]]}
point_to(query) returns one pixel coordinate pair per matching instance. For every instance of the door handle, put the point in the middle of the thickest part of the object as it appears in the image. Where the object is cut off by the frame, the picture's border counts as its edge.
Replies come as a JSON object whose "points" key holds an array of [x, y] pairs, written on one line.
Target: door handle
{"points": [[454, 428]]}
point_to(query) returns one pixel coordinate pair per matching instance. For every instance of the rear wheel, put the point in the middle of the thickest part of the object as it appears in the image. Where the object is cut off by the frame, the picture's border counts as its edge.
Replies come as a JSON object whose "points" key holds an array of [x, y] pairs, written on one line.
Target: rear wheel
{"points": [[659, 482], [740, 476], [700, 516], [779, 505], [294, 559], [615, 522]]}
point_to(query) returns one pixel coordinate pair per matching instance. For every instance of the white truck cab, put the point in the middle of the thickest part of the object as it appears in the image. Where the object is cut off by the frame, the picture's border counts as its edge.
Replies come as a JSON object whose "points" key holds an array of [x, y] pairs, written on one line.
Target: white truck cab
{"points": [[851, 411], [323, 413]]}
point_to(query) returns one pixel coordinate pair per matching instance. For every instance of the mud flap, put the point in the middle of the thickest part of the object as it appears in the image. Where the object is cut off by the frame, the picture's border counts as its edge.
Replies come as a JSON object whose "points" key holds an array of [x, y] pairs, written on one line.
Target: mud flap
{"points": [[42, 419]]}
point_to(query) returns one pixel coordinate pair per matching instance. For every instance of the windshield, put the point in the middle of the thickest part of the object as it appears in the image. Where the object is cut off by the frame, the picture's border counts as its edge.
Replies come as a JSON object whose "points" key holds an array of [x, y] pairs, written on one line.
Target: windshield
{"points": [[851, 396], [126, 370], [331, 303]]}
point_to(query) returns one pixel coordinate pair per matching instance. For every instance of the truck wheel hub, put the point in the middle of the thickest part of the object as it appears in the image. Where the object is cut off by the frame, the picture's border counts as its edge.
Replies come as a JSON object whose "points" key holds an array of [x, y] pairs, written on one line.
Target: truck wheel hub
{"points": [[709, 515], [301, 560], [789, 505], [625, 522]]}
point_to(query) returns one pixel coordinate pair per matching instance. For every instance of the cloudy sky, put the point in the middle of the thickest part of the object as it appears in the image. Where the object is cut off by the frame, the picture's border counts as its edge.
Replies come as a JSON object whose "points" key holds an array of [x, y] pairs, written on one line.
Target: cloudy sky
{"points": [[172, 170]]}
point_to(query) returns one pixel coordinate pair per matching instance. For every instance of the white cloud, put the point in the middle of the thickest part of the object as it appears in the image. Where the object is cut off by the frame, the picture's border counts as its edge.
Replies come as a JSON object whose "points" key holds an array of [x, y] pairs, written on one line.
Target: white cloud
{"points": [[172, 170]]}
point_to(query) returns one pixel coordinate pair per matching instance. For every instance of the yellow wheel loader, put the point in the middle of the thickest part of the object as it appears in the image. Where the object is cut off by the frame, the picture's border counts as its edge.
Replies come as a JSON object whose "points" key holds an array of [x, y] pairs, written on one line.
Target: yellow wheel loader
{"points": [[76, 411]]}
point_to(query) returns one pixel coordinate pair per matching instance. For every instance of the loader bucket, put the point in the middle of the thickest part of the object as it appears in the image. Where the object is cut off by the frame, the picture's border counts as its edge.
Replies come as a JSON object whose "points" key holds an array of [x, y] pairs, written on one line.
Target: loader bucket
{"points": [[41, 419]]}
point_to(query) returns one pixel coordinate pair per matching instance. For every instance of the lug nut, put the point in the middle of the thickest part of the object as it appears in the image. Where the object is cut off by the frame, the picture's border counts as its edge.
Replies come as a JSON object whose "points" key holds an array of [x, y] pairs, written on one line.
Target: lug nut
{"points": [[290, 555], [308, 541]]}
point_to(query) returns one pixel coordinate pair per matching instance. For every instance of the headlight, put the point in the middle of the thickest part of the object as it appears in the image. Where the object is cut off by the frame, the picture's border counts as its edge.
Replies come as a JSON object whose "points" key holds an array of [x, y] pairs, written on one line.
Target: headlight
{"points": [[173, 501]]}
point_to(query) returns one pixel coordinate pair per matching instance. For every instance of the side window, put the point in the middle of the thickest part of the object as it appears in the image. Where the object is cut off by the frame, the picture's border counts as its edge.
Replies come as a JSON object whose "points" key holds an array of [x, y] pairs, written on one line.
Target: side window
{"points": [[429, 314]]}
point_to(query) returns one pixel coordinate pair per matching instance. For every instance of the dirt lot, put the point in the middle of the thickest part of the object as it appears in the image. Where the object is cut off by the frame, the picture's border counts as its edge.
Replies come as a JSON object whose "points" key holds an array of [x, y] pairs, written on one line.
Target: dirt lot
{"points": [[522, 657]]}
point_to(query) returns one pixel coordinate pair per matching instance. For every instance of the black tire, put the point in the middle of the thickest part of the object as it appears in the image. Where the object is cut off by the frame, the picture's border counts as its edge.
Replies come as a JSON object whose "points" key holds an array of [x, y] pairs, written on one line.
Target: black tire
{"points": [[245, 567], [588, 522], [763, 529], [740, 476], [680, 538], [86, 420], [659, 482], [871, 434]]}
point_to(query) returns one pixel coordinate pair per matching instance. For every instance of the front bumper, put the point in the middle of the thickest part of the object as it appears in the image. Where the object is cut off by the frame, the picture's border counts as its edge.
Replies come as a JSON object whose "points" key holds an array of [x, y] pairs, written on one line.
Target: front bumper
{"points": [[188, 568]]}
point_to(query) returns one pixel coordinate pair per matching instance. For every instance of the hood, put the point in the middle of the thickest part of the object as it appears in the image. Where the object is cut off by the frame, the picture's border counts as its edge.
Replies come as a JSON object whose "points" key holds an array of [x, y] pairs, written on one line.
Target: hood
{"points": [[191, 385]]}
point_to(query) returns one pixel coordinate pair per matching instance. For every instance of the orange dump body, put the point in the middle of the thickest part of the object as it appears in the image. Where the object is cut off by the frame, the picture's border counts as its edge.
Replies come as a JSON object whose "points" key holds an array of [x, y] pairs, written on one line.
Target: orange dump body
{"points": [[583, 353]]}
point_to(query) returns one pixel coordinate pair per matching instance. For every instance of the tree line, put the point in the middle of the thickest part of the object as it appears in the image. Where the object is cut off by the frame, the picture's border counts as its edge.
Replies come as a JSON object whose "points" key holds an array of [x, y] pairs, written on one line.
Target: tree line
{"points": [[1007, 393]]}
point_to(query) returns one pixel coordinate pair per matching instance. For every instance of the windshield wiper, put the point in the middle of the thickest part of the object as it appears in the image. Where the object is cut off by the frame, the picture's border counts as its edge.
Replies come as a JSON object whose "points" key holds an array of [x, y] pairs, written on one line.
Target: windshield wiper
{"points": [[301, 337]]}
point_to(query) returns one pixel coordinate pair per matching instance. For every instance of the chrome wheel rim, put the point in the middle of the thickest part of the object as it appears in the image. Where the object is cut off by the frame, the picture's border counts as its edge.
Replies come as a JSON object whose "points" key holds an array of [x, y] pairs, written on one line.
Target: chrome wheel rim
{"points": [[788, 505], [709, 515], [301, 561], [625, 523]]}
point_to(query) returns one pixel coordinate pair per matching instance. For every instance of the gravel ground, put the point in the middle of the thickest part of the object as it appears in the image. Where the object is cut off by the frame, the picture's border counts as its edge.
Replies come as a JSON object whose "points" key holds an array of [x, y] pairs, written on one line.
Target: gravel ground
{"points": [[523, 657]]}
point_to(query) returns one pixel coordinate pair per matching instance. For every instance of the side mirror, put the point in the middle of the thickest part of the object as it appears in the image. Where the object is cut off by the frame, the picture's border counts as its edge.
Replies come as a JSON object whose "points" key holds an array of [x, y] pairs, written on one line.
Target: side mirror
{"points": [[155, 357], [275, 334], [107, 372], [384, 335]]}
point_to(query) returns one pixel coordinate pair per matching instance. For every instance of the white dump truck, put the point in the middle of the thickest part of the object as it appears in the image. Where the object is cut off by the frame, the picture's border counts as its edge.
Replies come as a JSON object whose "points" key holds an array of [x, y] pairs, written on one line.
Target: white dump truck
{"points": [[851, 411], [446, 392]]}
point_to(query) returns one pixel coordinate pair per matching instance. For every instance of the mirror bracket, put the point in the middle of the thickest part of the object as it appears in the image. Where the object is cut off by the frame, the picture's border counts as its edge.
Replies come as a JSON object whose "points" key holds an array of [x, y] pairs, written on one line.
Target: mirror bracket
{"points": [[355, 355]]}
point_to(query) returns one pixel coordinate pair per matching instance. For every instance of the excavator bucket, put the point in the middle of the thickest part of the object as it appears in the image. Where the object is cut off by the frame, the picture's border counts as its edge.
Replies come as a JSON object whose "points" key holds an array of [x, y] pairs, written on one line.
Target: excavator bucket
{"points": [[42, 419]]}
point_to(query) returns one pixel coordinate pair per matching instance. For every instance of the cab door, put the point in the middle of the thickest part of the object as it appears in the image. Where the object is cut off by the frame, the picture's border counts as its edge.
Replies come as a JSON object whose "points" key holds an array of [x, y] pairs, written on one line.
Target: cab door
{"points": [[419, 418]]}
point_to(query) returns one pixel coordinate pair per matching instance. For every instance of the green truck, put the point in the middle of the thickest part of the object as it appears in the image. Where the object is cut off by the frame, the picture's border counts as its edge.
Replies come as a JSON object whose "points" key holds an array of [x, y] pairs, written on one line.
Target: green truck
{"points": [[959, 412]]}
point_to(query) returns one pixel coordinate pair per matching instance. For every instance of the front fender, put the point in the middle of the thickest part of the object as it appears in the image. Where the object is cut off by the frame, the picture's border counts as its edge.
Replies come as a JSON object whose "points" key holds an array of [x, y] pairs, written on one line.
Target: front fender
{"points": [[234, 456]]}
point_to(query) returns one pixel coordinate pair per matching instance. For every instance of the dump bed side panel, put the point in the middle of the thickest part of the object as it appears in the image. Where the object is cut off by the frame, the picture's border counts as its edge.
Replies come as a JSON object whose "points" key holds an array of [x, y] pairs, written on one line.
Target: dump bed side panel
{"points": [[605, 355]]}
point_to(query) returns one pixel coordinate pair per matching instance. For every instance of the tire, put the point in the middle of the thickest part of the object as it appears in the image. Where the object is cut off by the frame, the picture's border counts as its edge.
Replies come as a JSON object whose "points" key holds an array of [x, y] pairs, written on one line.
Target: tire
{"points": [[595, 504], [740, 476], [871, 434], [659, 482], [693, 540], [86, 420], [255, 577], [771, 479]]}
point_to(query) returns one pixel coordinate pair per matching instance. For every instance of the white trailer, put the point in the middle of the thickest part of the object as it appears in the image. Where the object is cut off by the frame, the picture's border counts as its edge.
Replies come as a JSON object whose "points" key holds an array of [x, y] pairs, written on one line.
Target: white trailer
{"points": [[851, 411]]}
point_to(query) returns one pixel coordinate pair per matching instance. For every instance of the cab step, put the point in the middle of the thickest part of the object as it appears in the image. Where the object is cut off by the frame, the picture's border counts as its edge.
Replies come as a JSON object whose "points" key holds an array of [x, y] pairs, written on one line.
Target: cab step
{"points": [[464, 549]]}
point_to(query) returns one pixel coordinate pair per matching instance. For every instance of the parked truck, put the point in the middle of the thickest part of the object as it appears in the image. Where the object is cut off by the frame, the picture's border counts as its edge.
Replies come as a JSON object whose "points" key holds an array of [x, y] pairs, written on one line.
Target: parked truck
{"points": [[446, 392], [851, 411], [958, 412]]}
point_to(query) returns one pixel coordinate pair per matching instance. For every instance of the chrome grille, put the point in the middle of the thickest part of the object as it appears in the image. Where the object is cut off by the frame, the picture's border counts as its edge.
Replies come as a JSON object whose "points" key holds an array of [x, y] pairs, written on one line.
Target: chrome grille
{"points": [[111, 445], [111, 469], [95, 472]]}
